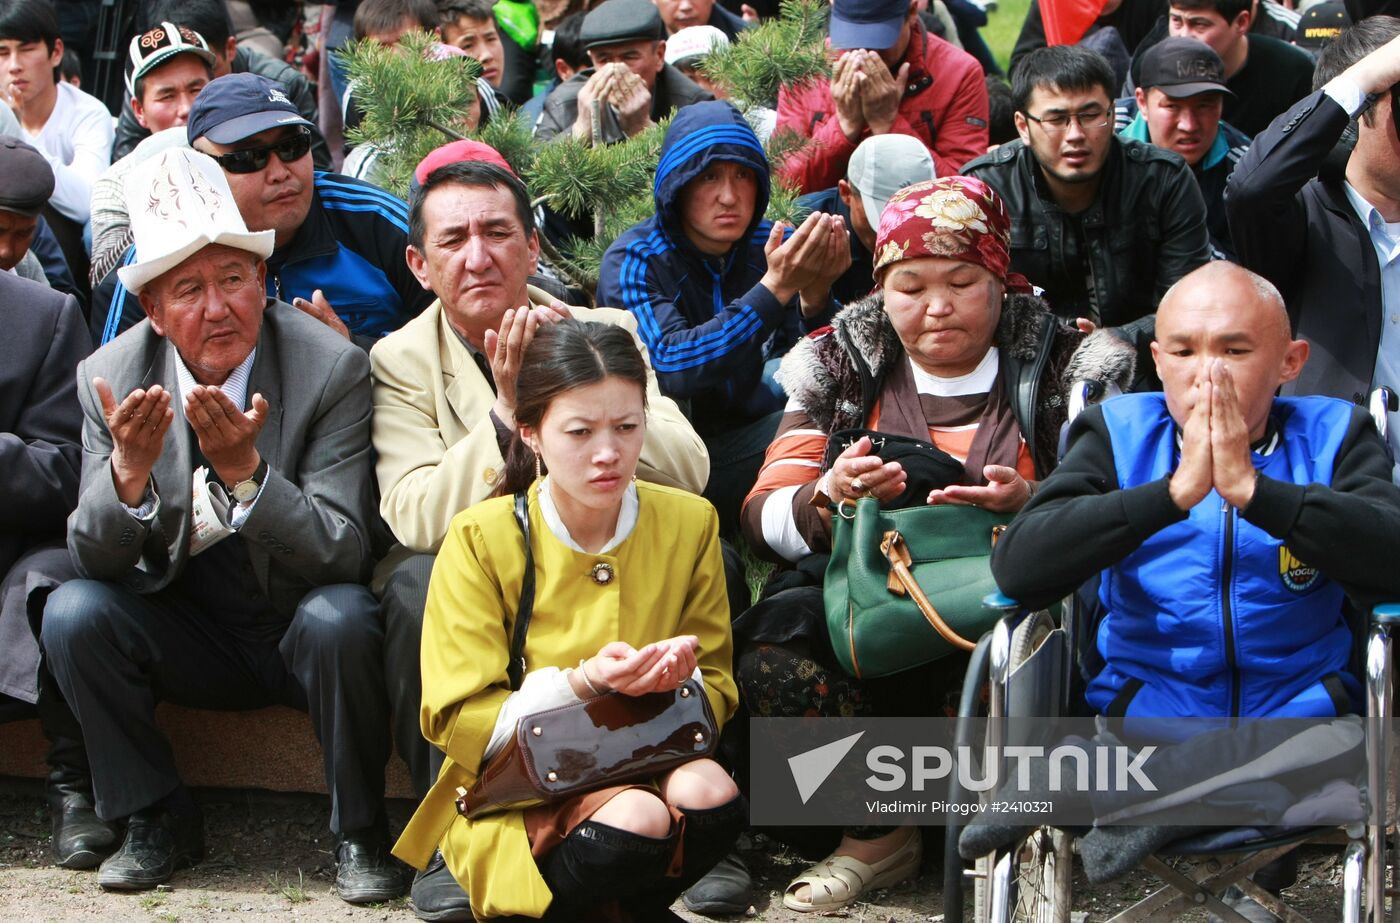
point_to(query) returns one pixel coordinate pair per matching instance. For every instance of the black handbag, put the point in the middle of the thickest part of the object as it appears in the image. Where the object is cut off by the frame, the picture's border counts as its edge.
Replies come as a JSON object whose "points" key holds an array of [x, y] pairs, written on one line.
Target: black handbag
{"points": [[926, 466], [613, 739]]}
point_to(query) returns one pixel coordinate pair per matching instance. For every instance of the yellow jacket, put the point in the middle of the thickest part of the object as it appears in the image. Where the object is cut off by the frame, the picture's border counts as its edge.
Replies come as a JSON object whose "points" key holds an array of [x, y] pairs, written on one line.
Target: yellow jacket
{"points": [[670, 581], [436, 447]]}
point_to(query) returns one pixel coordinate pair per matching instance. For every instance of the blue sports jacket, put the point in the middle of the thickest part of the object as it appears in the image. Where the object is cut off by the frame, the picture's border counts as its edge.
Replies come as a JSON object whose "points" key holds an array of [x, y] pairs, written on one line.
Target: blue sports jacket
{"points": [[706, 322], [1212, 616], [351, 246]]}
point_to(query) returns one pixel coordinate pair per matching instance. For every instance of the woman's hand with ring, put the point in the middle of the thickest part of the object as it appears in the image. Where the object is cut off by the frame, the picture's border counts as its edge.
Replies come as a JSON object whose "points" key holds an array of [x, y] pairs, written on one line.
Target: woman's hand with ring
{"points": [[675, 667], [1006, 491], [856, 473]]}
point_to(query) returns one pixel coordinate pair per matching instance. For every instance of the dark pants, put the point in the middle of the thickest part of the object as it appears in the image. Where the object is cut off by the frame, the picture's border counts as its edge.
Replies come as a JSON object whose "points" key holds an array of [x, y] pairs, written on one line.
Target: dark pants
{"points": [[403, 599], [116, 653], [735, 457]]}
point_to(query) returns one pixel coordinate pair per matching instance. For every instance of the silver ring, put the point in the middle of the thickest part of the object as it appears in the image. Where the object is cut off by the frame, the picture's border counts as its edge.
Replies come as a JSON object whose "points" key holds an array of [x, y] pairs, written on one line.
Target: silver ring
{"points": [[857, 486]]}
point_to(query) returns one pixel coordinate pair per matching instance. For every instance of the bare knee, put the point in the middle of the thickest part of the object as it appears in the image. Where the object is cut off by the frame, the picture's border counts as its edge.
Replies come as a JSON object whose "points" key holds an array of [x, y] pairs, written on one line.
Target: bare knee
{"points": [[699, 785], [636, 811]]}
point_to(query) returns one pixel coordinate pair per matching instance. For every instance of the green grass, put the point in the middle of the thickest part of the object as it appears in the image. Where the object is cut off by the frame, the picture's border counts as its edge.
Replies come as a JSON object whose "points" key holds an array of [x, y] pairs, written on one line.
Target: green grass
{"points": [[1003, 25], [293, 891]]}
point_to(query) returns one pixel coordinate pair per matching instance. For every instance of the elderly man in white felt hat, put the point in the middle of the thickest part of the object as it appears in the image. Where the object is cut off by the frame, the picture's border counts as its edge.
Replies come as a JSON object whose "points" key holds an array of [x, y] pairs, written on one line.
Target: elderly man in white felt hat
{"points": [[223, 531]]}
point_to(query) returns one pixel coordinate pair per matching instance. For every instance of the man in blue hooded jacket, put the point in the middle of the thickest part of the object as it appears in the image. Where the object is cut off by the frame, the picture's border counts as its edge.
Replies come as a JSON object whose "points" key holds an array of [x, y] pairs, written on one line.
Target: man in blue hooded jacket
{"points": [[719, 292]]}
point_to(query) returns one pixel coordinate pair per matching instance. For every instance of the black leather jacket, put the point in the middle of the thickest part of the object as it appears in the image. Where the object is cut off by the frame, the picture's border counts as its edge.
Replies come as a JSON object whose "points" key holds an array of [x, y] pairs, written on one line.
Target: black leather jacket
{"points": [[1146, 229]]}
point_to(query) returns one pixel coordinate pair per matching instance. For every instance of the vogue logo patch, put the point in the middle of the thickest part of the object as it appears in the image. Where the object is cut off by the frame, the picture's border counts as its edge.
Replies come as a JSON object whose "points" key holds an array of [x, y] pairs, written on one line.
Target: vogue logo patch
{"points": [[1295, 575]]}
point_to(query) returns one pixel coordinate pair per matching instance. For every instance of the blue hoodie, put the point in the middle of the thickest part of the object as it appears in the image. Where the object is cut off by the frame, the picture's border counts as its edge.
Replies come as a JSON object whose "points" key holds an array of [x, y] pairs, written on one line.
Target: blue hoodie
{"points": [[707, 323]]}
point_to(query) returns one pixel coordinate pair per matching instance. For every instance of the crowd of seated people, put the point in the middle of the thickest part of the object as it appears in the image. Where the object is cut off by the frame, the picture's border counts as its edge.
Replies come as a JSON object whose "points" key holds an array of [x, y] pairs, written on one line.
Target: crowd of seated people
{"points": [[261, 422]]}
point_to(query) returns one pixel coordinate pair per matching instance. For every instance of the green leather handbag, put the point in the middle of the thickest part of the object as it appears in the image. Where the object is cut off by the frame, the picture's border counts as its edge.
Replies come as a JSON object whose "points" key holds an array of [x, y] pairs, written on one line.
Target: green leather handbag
{"points": [[905, 587]]}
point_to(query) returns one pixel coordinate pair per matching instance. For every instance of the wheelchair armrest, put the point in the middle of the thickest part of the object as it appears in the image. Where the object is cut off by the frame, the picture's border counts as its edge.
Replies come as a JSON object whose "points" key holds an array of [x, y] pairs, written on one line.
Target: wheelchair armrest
{"points": [[1387, 614], [1006, 604]]}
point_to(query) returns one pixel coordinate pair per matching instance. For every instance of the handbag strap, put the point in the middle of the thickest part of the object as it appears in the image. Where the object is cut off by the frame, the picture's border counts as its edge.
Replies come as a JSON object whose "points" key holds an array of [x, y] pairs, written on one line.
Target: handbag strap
{"points": [[902, 582], [515, 667]]}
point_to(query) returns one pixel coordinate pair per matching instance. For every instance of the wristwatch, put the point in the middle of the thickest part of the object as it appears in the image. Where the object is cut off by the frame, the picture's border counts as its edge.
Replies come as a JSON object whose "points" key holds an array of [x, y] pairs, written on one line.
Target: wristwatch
{"points": [[246, 490]]}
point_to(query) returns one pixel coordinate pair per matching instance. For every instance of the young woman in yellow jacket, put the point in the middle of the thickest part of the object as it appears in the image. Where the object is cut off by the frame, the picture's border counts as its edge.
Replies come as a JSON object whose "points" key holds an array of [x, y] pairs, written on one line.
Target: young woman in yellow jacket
{"points": [[630, 595]]}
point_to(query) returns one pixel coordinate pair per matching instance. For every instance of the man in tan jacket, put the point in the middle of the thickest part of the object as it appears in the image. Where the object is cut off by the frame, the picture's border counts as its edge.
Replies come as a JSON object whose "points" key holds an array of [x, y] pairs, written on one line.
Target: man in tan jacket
{"points": [[444, 395]]}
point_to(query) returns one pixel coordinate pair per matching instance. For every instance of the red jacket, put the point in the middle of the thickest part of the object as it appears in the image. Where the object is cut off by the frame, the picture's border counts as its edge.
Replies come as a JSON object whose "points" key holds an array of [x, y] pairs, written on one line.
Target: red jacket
{"points": [[944, 106]]}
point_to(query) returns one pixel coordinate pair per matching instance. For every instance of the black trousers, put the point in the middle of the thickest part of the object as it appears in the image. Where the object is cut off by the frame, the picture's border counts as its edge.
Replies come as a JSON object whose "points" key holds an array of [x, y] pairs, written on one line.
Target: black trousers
{"points": [[116, 653], [403, 599]]}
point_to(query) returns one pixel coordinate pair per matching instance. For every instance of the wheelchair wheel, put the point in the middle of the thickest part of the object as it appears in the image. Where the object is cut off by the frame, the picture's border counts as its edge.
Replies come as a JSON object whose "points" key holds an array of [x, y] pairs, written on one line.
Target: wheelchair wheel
{"points": [[1045, 866], [1030, 884]]}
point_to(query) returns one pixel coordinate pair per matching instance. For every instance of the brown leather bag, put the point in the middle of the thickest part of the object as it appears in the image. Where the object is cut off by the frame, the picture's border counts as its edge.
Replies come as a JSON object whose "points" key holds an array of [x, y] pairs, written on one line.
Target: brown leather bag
{"points": [[613, 739]]}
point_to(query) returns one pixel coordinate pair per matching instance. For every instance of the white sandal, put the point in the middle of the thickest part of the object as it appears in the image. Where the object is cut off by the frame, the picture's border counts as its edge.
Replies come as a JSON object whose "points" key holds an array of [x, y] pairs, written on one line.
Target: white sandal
{"points": [[838, 880]]}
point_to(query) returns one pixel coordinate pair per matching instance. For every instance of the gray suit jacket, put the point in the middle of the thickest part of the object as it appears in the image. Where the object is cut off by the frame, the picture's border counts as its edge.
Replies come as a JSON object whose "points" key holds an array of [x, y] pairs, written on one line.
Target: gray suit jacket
{"points": [[309, 526]]}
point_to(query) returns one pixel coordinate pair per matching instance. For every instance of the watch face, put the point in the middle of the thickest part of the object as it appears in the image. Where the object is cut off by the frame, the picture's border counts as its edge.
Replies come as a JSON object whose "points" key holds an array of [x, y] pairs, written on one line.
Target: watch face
{"points": [[244, 491]]}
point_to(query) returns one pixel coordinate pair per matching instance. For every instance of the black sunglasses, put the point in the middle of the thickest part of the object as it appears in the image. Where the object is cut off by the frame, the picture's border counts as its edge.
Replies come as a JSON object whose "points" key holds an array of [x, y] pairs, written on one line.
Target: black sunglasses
{"points": [[252, 159]]}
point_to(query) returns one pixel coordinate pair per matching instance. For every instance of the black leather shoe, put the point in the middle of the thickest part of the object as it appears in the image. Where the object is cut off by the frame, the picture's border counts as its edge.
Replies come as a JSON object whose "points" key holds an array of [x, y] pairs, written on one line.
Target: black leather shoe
{"points": [[437, 896], [81, 839], [157, 843], [365, 872], [725, 889]]}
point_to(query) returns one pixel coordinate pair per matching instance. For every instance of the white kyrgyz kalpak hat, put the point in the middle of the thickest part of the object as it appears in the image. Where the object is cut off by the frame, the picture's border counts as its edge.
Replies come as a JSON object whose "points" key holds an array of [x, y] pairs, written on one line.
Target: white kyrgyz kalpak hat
{"points": [[180, 202]]}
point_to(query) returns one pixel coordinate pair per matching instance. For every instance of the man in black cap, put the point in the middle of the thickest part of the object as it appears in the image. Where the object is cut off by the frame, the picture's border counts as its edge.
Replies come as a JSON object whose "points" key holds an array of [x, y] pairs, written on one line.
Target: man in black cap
{"points": [[1265, 75], [1319, 25], [27, 187], [629, 77], [340, 241], [1178, 103]]}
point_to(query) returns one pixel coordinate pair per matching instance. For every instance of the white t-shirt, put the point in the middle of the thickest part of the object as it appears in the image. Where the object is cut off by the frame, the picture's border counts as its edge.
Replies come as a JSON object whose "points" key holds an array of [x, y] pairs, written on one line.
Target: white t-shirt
{"points": [[77, 141]]}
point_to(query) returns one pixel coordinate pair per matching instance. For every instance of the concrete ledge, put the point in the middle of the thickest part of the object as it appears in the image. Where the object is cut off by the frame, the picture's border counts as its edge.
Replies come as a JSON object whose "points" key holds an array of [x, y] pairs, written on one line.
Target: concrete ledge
{"points": [[271, 748]]}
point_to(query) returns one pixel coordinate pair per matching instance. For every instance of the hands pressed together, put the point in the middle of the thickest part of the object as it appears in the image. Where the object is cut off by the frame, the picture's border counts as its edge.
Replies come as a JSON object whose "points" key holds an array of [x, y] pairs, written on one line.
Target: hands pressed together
{"points": [[1214, 445], [866, 94], [614, 85], [856, 473], [658, 667]]}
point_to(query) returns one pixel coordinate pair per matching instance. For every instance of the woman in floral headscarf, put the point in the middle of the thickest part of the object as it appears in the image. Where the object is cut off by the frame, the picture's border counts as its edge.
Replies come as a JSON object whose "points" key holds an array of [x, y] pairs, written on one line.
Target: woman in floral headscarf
{"points": [[952, 350]]}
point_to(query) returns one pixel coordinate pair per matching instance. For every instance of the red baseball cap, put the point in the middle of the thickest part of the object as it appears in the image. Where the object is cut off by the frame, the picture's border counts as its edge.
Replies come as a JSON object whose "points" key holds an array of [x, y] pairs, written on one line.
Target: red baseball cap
{"points": [[456, 152]]}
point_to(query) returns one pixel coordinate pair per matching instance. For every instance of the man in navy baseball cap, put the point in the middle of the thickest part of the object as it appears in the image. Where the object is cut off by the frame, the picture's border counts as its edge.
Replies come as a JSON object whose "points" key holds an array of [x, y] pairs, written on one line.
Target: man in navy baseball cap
{"points": [[339, 242], [238, 106], [872, 24]]}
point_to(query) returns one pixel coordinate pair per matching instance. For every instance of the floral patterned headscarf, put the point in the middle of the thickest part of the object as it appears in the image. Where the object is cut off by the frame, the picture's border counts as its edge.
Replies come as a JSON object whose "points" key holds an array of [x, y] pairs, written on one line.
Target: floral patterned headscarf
{"points": [[956, 217]]}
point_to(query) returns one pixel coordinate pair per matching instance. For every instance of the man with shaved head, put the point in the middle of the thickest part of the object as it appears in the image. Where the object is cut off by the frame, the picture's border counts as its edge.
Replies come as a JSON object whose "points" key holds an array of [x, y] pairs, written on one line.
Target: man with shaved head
{"points": [[1229, 527]]}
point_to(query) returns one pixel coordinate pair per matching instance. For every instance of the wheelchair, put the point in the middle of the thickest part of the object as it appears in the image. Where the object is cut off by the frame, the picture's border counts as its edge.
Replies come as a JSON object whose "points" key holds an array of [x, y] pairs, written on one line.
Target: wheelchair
{"points": [[1028, 665]]}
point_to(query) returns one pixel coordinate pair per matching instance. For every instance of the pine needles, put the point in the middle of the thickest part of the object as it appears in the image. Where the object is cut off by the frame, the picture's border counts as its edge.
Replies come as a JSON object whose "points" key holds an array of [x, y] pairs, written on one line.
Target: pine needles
{"points": [[781, 52], [411, 104]]}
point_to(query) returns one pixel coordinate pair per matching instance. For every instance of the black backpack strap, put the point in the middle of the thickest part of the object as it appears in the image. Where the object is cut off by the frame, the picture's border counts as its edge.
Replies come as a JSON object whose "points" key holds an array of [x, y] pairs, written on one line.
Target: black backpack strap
{"points": [[515, 668]]}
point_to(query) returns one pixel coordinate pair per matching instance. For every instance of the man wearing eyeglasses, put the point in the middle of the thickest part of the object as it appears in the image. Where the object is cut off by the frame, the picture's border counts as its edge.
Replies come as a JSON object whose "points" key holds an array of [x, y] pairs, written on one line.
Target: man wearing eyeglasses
{"points": [[339, 241], [1104, 225]]}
